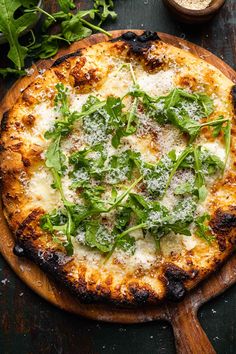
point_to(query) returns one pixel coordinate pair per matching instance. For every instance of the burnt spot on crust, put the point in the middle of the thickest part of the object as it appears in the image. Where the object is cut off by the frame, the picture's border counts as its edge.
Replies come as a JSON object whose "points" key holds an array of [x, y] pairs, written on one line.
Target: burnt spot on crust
{"points": [[223, 224], [138, 43], [65, 57], [140, 295], [35, 214], [18, 251], [233, 94], [139, 46], [174, 279], [141, 43], [4, 121]]}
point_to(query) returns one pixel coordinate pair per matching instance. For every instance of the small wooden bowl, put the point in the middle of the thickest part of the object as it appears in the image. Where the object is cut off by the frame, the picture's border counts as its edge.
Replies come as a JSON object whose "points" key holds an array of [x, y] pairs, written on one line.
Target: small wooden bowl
{"points": [[193, 16]]}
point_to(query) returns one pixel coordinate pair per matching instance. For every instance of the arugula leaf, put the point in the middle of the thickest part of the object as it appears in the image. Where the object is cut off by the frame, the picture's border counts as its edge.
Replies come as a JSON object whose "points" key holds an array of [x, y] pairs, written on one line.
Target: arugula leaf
{"points": [[85, 167], [177, 164], [58, 16], [106, 119], [122, 219], [126, 243], [92, 197], [120, 167], [73, 29], [61, 100], [12, 27], [47, 47], [97, 236], [202, 229], [54, 157], [200, 180], [217, 129], [59, 221], [132, 118], [105, 8], [5, 71], [184, 188], [156, 176], [139, 206], [66, 5]]}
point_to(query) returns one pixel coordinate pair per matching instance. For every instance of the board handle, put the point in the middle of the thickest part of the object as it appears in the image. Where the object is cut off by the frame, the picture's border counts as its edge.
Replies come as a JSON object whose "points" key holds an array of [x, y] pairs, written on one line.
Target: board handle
{"points": [[189, 335]]}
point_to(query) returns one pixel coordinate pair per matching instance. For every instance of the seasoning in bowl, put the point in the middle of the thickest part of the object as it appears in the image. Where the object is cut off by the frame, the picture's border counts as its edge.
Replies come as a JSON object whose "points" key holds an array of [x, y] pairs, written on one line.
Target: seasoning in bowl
{"points": [[194, 11], [194, 4]]}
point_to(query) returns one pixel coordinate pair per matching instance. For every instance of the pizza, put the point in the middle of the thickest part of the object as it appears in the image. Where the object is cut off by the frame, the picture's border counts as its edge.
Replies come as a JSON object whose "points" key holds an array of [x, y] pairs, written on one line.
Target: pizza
{"points": [[118, 170]]}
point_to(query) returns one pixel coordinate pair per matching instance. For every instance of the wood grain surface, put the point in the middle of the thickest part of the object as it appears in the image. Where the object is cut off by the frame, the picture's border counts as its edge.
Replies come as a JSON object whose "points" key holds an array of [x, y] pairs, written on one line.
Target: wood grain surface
{"points": [[178, 315]]}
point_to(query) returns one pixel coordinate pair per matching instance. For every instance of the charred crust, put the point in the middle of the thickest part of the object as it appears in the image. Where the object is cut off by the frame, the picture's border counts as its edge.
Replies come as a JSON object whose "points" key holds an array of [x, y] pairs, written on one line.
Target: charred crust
{"points": [[34, 215], [18, 251], [233, 95], [174, 279], [4, 121], [140, 296], [65, 57], [222, 224], [138, 43]]}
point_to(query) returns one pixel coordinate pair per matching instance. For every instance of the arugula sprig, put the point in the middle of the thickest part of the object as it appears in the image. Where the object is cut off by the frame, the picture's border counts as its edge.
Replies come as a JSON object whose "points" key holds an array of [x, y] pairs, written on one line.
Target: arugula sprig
{"points": [[16, 16], [63, 127], [155, 218], [13, 26], [203, 230], [105, 8], [182, 109]]}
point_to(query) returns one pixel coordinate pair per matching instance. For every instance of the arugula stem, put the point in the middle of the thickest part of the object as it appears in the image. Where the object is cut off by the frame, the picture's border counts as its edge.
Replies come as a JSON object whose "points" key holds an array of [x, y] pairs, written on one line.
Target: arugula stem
{"points": [[132, 74], [214, 122], [133, 228], [178, 162], [132, 114], [197, 166], [95, 28], [122, 196], [39, 9]]}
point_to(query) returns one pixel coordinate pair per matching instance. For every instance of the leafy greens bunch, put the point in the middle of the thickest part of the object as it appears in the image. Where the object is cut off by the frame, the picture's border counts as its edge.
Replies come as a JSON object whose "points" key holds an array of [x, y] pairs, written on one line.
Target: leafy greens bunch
{"points": [[18, 15]]}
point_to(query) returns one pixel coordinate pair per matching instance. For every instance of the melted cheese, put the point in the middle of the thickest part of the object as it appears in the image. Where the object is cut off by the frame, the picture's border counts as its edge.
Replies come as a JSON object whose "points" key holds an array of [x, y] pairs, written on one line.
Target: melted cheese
{"points": [[41, 192], [157, 84]]}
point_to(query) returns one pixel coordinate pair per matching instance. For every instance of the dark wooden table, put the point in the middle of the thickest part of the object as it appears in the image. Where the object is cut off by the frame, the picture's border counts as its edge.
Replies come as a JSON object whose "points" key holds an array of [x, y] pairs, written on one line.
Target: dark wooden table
{"points": [[28, 324]]}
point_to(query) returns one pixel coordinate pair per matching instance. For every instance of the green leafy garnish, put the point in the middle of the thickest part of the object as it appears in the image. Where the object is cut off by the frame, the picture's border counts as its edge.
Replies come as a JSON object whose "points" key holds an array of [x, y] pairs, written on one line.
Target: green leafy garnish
{"points": [[12, 27], [105, 10], [66, 5], [98, 236], [202, 228]]}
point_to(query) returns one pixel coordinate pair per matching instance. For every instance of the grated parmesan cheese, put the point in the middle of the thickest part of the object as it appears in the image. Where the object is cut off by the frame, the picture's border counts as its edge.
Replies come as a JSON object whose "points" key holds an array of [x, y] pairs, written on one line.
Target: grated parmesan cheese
{"points": [[194, 4]]}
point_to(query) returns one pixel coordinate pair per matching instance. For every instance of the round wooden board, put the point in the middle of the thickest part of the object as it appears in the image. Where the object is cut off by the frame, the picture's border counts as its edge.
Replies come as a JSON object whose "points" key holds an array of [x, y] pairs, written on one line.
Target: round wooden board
{"points": [[189, 336]]}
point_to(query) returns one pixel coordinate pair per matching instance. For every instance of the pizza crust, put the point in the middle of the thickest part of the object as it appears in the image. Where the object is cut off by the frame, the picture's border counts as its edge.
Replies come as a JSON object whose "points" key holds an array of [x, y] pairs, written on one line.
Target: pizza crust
{"points": [[123, 280]]}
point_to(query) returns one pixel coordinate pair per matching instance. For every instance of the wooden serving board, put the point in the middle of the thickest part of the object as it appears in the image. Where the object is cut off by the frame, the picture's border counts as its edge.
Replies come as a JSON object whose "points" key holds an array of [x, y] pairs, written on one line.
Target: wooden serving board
{"points": [[189, 336]]}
